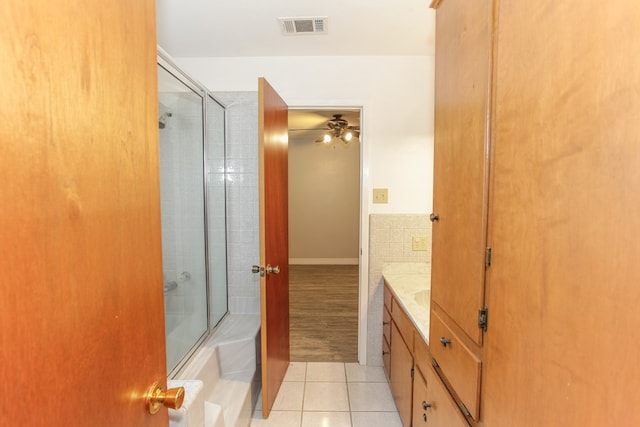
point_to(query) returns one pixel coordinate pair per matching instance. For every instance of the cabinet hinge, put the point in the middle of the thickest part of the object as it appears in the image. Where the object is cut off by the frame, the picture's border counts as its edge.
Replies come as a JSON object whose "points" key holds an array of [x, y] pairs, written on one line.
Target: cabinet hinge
{"points": [[487, 257], [483, 314], [434, 363]]}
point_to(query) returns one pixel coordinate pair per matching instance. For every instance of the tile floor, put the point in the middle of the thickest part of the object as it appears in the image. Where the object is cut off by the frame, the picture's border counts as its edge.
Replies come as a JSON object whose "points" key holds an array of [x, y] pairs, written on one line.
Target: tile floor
{"points": [[328, 394]]}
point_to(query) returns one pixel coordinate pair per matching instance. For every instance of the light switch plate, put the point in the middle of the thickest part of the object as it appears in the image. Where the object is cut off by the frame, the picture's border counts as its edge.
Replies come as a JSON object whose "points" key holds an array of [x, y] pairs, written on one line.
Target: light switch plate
{"points": [[380, 195], [419, 243]]}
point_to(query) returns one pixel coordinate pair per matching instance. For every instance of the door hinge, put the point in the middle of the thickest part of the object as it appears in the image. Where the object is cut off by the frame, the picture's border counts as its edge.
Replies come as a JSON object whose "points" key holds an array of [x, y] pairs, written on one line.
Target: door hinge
{"points": [[483, 314], [487, 257]]}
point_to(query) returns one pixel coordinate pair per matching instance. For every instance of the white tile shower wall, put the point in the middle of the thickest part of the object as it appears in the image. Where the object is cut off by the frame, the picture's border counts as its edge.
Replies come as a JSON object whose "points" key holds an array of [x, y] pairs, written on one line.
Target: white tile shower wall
{"points": [[182, 208], [390, 240], [243, 232]]}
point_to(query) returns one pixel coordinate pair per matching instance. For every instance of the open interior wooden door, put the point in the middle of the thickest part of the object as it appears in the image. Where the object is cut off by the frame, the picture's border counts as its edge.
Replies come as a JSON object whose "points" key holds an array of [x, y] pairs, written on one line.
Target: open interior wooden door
{"points": [[274, 241], [81, 303]]}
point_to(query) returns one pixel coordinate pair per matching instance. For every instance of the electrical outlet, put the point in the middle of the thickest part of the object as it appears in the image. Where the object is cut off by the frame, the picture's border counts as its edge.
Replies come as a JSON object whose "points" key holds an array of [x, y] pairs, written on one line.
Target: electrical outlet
{"points": [[419, 243], [380, 195]]}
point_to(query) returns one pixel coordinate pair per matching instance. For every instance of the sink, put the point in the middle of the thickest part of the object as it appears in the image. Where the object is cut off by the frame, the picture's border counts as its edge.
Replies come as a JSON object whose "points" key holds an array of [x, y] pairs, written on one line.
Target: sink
{"points": [[423, 298]]}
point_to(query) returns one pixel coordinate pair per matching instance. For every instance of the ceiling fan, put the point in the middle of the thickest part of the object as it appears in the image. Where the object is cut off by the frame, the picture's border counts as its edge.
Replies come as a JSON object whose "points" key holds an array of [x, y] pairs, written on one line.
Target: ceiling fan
{"points": [[336, 128]]}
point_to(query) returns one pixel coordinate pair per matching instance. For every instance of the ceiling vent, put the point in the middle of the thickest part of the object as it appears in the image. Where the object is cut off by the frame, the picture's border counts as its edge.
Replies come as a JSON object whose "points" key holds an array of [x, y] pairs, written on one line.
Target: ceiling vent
{"points": [[303, 25]]}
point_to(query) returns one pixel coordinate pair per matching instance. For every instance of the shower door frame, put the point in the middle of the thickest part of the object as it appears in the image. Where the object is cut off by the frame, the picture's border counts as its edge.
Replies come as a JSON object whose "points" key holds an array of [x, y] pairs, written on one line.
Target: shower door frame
{"points": [[164, 61]]}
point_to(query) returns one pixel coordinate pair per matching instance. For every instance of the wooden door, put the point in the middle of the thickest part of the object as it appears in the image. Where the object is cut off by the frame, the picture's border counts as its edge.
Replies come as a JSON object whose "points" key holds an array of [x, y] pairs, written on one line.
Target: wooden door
{"points": [[274, 241], [564, 326], [81, 301], [463, 48]]}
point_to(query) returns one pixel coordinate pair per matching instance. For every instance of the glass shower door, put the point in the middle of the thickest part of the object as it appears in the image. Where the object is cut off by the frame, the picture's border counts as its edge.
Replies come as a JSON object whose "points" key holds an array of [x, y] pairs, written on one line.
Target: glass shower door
{"points": [[182, 193], [216, 209]]}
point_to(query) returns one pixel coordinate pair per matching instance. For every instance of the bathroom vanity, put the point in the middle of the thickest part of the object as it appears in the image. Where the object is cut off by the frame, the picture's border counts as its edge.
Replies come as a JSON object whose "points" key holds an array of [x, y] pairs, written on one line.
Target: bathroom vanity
{"points": [[420, 395]]}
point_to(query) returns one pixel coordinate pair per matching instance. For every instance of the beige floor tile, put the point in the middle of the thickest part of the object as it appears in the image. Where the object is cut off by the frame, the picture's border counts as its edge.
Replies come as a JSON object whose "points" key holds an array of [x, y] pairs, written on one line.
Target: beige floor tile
{"points": [[376, 419], [289, 397], [277, 419], [365, 397], [326, 419], [361, 373], [297, 371], [325, 397], [326, 372]]}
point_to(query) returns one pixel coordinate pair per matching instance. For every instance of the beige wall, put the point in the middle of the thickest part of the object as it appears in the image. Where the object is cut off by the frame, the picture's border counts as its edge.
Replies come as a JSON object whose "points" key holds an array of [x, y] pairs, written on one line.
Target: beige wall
{"points": [[324, 202]]}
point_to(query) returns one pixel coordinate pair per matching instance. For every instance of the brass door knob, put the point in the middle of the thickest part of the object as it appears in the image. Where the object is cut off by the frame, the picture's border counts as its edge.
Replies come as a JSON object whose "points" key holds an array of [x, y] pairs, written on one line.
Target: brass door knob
{"points": [[156, 397]]}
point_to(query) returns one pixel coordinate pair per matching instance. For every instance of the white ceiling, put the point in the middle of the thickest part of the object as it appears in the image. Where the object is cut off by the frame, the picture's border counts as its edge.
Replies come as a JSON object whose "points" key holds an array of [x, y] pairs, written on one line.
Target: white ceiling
{"points": [[228, 28]]}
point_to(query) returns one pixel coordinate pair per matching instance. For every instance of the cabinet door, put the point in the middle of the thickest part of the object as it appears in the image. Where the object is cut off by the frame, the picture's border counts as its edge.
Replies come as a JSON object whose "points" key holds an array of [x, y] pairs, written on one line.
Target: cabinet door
{"points": [[442, 410], [420, 399], [463, 52], [564, 336], [401, 383]]}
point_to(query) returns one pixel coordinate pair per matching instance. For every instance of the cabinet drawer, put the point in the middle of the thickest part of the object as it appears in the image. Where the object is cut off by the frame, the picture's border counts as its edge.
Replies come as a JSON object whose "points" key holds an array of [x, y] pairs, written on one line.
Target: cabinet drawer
{"points": [[404, 324], [459, 365], [443, 411], [387, 297], [386, 324]]}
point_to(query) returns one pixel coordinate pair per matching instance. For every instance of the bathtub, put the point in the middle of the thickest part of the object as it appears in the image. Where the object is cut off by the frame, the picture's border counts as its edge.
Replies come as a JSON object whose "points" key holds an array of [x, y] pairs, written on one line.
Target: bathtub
{"points": [[222, 378]]}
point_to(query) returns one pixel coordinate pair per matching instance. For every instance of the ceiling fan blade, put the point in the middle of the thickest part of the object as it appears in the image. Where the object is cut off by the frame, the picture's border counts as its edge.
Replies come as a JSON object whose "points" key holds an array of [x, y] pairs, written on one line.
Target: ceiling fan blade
{"points": [[301, 130]]}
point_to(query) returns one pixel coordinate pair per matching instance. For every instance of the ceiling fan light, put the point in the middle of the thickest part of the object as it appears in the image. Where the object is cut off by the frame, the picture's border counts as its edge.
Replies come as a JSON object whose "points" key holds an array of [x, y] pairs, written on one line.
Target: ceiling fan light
{"points": [[348, 135], [326, 138]]}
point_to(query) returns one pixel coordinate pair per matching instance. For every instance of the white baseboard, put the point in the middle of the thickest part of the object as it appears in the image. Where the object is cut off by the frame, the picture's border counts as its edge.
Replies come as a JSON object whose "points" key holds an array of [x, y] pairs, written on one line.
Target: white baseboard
{"points": [[323, 261]]}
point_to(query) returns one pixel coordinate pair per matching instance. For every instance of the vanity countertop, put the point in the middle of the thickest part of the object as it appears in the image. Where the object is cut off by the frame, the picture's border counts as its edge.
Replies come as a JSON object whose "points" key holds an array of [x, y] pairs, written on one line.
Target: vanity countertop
{"points": [[410, 283]]}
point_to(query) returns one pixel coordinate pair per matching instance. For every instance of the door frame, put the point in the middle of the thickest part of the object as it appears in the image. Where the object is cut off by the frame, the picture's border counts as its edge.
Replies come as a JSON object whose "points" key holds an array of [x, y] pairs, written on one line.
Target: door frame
{"points": [[363, 264]]}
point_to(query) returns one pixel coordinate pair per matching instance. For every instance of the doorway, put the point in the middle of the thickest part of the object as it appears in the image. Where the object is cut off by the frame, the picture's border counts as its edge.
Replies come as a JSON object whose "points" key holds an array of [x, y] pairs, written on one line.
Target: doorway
{"points": [[324, 233]]}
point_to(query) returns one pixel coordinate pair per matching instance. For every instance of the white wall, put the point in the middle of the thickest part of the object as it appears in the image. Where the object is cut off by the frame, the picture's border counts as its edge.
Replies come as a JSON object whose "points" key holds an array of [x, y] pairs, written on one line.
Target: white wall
{"points": [[324, 202], [396, 94]]}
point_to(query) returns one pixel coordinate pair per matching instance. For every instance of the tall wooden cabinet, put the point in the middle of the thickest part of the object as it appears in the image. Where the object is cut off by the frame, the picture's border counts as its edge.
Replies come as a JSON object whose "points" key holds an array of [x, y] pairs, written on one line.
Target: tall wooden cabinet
{"points": [[537, 156], [564, 334], [460, 252]]}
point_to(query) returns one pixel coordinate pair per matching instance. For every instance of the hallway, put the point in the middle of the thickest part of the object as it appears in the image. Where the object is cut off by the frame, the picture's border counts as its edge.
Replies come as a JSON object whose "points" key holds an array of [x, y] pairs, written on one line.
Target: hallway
{"points": [[330, 394], [323, 310]]}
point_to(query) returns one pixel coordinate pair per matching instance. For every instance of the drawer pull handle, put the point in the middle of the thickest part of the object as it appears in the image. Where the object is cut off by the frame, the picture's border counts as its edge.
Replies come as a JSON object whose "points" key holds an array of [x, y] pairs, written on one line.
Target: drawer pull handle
{"points": [[385, 352], [445, 341], [426, 405], [424, 417], [385, 323]]}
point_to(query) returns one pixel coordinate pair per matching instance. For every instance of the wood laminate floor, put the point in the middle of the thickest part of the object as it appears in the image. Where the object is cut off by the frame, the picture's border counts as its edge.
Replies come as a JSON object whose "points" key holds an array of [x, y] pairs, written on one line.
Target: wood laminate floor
{"points": [[323, 313]]}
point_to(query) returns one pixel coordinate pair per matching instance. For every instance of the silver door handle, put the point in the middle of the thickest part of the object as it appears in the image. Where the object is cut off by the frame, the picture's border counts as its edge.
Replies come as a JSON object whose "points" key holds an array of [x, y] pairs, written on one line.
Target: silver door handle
{"points": [[273, 269], [268, 270]]}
